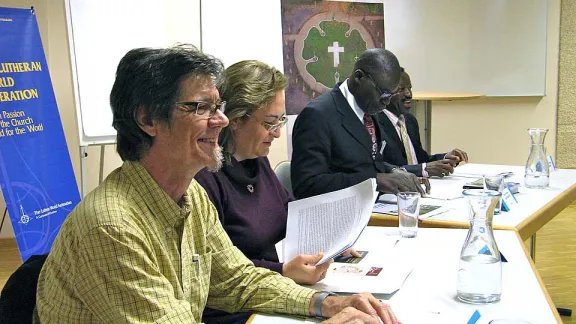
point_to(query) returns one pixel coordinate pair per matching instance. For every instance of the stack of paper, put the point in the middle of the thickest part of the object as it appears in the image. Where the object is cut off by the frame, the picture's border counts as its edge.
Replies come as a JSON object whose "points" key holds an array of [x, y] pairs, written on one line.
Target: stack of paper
{"points": [[377, 273], [329, 223]]}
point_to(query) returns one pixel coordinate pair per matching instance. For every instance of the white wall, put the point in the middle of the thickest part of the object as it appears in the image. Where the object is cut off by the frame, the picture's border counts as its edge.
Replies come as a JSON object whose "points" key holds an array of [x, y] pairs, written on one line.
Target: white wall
{"points": [[477, 126], [493, 47], [493, 130]]}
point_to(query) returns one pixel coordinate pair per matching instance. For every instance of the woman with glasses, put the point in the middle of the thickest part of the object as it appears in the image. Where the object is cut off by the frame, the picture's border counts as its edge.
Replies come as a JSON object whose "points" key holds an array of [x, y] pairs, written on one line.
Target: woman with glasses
{"points": [[250, 200]]}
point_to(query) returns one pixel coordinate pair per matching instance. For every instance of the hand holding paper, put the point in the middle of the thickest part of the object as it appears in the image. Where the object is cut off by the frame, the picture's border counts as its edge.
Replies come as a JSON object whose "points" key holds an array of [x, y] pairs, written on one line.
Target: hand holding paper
{"points": [[329, 223], [302, 269]]}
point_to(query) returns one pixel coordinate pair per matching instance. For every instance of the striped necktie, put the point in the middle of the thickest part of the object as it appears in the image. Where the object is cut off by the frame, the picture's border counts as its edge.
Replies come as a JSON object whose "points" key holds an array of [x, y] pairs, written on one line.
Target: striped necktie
{"points": [[405, 139]]}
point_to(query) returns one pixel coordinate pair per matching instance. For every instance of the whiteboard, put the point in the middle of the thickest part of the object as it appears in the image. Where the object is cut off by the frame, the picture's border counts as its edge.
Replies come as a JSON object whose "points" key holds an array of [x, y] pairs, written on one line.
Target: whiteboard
{"points": [[101, 32], [495, 47]]}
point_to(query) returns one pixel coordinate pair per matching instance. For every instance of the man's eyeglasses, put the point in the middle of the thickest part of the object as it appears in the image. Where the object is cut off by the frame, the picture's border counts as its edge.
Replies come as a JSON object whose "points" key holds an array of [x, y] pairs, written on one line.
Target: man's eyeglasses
{"points": [[385, 97], [272, 127], [202, 108]]}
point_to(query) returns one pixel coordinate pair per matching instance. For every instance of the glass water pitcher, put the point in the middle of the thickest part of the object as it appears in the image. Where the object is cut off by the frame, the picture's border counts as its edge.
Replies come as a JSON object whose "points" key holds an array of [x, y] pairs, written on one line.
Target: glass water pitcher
{"points": [[537, 173], [480, 273]]}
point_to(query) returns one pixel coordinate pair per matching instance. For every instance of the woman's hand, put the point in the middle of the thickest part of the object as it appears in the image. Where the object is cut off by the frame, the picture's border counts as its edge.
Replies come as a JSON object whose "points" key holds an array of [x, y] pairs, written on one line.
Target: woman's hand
{"points": [[351, 251], [302, 269]]}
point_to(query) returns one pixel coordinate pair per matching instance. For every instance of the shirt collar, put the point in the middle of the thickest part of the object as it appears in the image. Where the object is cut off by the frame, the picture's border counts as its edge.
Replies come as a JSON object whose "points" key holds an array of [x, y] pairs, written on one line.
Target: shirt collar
{"points": [[159, 202], [393, 118], [351, 100]]}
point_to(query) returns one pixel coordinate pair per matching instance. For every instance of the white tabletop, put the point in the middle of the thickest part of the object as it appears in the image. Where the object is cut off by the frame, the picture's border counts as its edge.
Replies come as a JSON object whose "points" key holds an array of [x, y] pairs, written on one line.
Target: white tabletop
{"points": [[529, 200], [535, 207], [429, 293]]}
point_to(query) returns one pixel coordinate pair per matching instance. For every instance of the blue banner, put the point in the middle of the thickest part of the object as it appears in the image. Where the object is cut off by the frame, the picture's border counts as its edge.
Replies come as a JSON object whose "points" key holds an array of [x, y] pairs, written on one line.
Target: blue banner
{"points": [[36, 173]]}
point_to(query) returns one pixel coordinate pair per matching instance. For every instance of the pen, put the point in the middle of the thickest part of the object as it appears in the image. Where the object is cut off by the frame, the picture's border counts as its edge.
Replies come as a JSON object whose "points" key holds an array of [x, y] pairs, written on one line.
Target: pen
{"points": [[196, 261]]}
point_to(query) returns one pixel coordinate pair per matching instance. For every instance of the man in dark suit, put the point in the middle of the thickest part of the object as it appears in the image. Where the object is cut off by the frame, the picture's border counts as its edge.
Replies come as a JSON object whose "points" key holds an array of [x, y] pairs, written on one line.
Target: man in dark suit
{"points": [[401, 140], [336, 139]]}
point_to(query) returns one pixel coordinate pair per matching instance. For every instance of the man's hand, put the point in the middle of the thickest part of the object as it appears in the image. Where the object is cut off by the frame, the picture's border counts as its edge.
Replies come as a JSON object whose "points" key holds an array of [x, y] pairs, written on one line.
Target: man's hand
{"points": [[457, 156], [440, 168], [302, 269], [398, 181], [426, 184], [365, 303], [353, 316]]}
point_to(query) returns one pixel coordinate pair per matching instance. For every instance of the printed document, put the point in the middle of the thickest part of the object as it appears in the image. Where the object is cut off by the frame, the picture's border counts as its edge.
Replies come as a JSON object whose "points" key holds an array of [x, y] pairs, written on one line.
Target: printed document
{"points": [[329, 223]]}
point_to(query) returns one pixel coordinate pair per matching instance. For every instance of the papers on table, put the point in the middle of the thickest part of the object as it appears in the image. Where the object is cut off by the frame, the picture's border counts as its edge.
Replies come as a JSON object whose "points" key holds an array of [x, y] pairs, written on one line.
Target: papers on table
{"points": [[382, 271], [329, 223], [477, 171], [426, 210], [445, 195], [388, 198]]}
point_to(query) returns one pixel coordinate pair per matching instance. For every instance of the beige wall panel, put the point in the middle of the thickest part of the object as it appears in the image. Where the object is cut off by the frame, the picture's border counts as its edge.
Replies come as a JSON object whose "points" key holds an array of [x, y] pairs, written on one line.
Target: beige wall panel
{"points": [[566, 150]]}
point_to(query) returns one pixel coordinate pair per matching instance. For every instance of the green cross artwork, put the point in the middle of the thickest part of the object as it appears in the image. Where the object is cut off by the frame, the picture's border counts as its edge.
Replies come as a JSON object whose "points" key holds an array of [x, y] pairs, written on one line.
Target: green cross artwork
{"points": [[331, 50], [321, 42]]}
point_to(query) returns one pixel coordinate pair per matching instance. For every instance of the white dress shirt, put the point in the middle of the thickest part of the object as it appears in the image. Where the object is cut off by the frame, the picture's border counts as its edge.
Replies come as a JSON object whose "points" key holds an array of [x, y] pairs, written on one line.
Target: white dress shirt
{"points": [[351, 100], [394, 120]]}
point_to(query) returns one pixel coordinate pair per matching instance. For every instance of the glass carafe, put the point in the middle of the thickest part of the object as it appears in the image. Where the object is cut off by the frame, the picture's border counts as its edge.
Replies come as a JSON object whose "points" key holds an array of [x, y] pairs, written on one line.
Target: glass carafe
{"points": [[537, 173], [480, 274]]}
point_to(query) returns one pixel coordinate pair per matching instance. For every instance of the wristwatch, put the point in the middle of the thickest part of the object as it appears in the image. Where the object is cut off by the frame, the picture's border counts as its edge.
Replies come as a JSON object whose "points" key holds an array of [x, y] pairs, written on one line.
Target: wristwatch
{"points": [[400, 169], [318, 303]]}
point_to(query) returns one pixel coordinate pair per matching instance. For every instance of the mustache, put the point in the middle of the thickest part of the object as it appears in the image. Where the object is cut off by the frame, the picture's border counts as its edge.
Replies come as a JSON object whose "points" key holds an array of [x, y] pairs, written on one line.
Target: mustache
{"points": [[397, 108]]}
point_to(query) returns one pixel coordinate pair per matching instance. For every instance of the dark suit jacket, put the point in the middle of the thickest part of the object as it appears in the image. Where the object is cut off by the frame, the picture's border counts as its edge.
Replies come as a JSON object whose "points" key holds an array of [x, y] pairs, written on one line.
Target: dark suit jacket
{"points": [[332, 149], [394, 152]]}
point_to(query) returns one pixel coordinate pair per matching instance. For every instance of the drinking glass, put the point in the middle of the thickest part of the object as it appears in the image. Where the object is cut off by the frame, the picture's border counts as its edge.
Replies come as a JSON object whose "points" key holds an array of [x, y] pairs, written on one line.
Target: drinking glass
{"points": [[408, 211]]}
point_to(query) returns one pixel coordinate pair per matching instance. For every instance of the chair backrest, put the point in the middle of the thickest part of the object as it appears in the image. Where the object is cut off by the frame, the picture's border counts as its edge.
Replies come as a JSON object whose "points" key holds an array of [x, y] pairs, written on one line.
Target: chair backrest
{"points": [[282, 171], [18, 297]]}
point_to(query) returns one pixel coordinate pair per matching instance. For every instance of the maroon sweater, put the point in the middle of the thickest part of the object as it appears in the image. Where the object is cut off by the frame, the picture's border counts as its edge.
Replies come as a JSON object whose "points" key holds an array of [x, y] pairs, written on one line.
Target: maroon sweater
{"points": [[252, 205]]}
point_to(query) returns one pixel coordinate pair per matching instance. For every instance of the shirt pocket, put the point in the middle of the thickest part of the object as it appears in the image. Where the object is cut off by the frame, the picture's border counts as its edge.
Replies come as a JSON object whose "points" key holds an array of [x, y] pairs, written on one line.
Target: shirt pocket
{"points": [[198, 283]]}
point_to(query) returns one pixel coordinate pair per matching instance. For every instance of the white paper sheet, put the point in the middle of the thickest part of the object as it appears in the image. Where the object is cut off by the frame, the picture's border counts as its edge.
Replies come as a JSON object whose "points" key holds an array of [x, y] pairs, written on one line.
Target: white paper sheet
{"points": [[328, 223], [382, 271], [392, 209]]}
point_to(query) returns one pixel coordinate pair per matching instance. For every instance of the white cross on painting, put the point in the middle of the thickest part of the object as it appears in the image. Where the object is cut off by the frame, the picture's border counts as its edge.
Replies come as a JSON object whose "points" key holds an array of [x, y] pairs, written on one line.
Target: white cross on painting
{"points": [[336, 50]]}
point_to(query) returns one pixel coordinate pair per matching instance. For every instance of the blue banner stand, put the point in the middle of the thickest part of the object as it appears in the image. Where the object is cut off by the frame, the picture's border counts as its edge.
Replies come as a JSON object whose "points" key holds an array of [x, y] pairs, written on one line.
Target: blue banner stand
{"points": [[36, 174]]}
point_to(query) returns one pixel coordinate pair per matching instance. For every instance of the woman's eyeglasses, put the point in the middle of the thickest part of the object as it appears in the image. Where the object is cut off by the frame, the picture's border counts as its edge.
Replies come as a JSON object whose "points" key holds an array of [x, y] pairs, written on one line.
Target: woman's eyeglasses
{"points": [[202, 108], [272, 127]]}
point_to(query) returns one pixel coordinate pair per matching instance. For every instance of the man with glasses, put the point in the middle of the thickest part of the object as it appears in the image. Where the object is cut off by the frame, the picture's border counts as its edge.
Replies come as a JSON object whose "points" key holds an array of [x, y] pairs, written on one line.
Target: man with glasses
{"points": [[146, 245], [402, 135], [337, 141]]}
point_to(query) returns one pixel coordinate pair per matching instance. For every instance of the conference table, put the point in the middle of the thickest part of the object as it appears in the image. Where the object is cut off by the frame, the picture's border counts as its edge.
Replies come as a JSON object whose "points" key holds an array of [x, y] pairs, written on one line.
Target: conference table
{"points": [[428, 295], [535, 207], [427, 97]]}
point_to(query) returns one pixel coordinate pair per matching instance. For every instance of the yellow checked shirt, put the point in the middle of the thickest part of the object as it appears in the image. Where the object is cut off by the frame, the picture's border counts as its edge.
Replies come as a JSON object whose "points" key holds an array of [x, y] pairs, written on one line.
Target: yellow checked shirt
{"points": [[129, 254]]}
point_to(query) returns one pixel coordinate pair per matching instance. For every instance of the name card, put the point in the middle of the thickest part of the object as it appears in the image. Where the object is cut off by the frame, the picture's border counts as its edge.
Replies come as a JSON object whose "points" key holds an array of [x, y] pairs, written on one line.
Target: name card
{"points": [[508, 199]]}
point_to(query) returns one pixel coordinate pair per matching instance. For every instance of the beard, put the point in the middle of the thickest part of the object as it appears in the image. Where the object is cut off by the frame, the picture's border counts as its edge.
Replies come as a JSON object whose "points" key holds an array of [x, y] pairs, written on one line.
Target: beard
{"points": [[218, 158]]}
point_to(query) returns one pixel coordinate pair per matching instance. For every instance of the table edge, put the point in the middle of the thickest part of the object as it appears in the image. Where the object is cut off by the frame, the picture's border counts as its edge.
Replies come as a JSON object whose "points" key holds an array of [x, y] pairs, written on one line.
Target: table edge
{"points": [[386, 220], [538, 219], [540, 281]]}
